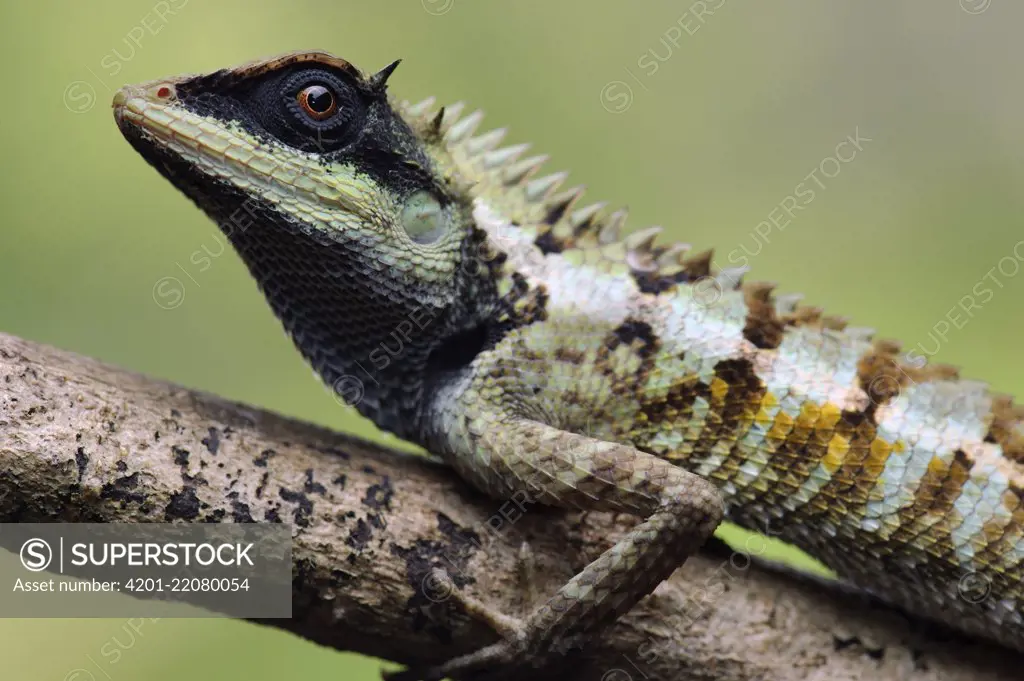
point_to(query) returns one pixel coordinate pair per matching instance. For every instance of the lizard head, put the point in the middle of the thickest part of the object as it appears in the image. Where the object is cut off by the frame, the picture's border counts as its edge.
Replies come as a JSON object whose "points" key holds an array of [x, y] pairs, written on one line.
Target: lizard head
{"points": [[355, 226]]}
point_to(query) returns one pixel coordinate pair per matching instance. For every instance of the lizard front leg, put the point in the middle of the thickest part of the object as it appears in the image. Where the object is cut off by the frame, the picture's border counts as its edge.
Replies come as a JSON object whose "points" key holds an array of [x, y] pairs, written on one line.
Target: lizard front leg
{"points": [[680, 510]]}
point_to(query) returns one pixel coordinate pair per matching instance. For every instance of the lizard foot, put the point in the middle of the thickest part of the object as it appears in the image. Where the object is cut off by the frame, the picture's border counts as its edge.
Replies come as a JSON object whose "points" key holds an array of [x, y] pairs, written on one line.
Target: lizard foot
{"points": [[521, 656], [493, 656], [510, 653]]}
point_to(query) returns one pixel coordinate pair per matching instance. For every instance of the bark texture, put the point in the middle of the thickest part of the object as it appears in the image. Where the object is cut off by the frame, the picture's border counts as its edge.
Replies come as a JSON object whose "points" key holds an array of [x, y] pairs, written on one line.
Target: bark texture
{"points": [[82, 441]]}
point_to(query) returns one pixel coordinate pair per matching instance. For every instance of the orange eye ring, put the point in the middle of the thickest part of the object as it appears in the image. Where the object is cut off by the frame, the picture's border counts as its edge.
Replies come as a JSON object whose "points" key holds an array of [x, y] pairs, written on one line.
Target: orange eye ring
{"points": [[318, 102]]}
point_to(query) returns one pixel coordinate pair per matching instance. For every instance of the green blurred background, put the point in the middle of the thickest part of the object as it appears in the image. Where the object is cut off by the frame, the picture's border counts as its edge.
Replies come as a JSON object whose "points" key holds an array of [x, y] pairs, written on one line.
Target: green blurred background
{"points": [[701, 122]]}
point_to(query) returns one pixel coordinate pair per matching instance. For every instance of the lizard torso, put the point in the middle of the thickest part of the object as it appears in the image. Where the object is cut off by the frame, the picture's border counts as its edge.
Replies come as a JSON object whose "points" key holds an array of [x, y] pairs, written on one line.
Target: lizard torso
{"points": [[907, 481]]}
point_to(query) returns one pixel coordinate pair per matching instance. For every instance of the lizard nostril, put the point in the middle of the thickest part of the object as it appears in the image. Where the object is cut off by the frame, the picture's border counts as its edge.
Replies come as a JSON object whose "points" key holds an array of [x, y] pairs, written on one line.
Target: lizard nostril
{"points": [[164, 91]]}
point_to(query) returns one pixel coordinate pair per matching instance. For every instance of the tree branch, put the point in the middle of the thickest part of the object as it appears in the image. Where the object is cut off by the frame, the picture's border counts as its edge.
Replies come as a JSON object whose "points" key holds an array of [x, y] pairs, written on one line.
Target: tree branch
{"points": [[82, 441]]}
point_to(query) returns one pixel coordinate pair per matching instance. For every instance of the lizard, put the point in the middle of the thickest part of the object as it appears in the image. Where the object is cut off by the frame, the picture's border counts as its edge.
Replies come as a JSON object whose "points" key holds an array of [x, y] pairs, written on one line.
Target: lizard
{"points": [[534, 344]]}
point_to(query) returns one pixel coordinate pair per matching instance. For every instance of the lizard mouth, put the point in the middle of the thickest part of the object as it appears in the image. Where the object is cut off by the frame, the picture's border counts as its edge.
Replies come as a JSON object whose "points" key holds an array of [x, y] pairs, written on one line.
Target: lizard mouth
{"points": [[152, 115]]}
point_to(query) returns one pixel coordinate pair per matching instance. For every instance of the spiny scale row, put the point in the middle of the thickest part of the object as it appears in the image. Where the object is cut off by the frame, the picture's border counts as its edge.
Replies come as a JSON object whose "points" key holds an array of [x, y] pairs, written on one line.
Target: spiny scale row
{"points": [[592, 226]]}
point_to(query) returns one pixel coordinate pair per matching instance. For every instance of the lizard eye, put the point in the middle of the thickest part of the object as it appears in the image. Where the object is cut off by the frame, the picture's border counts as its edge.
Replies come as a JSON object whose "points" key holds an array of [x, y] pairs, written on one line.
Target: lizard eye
{"points": [[318, 102], [321, 110]]}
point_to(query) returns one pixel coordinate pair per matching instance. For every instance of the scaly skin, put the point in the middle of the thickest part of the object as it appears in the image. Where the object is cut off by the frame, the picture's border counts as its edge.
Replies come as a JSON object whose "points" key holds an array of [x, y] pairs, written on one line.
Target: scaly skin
{"points": [[535, 347]]}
